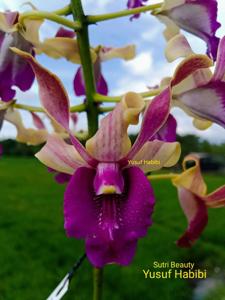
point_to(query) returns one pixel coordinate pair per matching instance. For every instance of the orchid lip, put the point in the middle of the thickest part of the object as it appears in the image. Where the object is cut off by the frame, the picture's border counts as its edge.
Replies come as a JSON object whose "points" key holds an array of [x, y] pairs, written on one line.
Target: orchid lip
{"points": [[108, 179]]}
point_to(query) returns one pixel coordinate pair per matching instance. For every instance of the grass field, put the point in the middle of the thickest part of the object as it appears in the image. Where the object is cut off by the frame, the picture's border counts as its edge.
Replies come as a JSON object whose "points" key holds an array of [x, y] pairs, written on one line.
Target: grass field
{"points": [[35, 253]]}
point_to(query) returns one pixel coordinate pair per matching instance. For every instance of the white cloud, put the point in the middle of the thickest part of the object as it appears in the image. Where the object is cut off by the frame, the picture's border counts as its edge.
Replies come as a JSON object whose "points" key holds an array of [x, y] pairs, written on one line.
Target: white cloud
{"points": [[140, 66]]}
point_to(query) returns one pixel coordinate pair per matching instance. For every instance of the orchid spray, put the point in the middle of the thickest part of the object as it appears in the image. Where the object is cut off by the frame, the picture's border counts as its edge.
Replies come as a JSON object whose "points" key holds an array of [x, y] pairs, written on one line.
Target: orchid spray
{"points": [[108, 200]]}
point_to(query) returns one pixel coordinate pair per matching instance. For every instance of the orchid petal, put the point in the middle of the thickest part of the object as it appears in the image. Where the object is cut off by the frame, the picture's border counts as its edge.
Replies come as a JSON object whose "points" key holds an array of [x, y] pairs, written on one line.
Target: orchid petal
{"points": [[111, 142], [52, 93], [167, 132], [207, 102], [30, 31], [202, 124], [219, 73], [59, 47], [25, 135], [177, 47], [156, 155], [171, 28], [191, 179], [38, 123], [110, 225], [63, 32], [126, 53], [196, 214], [215, 199], [159, 107], [189, 65], [60, 156], [54, 99]]}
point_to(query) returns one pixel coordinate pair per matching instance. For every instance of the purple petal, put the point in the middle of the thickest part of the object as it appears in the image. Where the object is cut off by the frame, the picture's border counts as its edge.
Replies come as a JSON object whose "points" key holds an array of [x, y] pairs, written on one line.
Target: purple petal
{"points": [[133, 4], [154, 118], [62, 32], [199, 18], [78, 83], [167, 132], [102, 86], [207, 102], [220, 62], [59, 176], [14, 71], [111, 224]]}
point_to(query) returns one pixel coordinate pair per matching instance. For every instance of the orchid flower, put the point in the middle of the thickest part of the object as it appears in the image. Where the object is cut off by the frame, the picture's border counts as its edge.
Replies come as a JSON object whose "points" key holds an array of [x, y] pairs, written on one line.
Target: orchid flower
{"points": [[201, 94], [103, 54], [198, 17], [107, 201], [168, 131], [195, 201], [13, 70], [133, 4]]}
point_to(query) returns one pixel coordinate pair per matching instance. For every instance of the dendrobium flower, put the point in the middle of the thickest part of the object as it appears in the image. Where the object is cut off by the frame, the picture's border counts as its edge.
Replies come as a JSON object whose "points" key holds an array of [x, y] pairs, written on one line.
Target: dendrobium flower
{"points": [[13, 70], [108, 202], [201, 94], [198, 17], [195, 201], [102, 54], [133, 4]]}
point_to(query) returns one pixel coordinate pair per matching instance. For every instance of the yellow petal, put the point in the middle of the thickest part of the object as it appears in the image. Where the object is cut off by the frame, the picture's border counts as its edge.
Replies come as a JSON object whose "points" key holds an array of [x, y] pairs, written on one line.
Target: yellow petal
{"points": [[126, 53], [191, 179]]}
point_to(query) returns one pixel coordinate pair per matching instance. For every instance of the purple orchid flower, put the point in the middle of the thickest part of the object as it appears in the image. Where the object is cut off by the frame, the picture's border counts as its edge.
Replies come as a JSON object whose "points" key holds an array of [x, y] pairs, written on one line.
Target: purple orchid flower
{"points": [[108, 202], [133, 4], [198, 17], [13, 70]]}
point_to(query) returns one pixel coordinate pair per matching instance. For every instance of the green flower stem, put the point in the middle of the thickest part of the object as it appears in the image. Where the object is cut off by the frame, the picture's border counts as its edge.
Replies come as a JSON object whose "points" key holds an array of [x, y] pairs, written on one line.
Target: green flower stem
{"points": [[65, 11], [75, 108], [97, 283], [162, 176], [105, 109], [102, 98], [75, 25], [122, 13], [87, 66]]}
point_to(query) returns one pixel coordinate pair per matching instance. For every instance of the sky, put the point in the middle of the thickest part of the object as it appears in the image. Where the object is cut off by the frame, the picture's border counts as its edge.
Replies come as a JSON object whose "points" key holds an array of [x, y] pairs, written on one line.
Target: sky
{"points": [[147, 69]]}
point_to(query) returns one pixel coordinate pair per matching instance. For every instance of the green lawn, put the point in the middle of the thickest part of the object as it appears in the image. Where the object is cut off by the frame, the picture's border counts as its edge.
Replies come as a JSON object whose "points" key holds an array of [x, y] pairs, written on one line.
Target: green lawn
{"points": [[35, 253]]}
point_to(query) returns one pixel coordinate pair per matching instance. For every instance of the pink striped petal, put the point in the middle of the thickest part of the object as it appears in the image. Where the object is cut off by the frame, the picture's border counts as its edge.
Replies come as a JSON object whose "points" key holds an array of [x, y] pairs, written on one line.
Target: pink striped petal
{"points": [[52, 93], [55, 100], [111, 142], [60, 156]]}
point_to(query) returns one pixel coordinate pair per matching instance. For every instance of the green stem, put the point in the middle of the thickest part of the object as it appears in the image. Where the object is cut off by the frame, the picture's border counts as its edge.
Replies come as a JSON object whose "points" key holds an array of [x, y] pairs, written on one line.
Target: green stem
{"points": [[102, 98], [122, 13], [97, 283], [162, 176], [105, 109], [49, 16], [87, 66], [75, 108], [65, 11]]}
